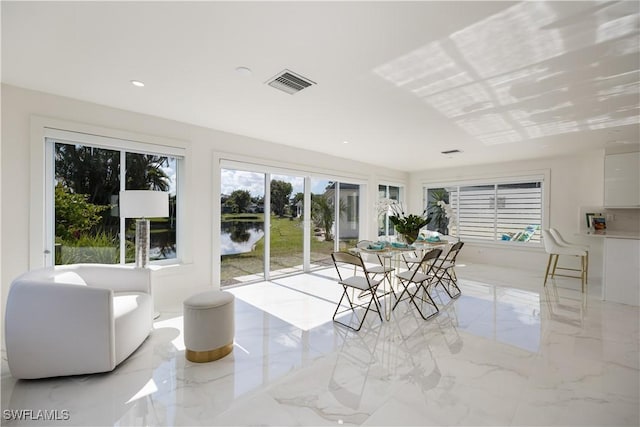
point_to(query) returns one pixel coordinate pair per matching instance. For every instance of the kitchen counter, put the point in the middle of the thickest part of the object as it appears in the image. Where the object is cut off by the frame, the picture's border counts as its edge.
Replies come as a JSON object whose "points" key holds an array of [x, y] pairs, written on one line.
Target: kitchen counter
{"points": [[614, 234], [620, 266]]}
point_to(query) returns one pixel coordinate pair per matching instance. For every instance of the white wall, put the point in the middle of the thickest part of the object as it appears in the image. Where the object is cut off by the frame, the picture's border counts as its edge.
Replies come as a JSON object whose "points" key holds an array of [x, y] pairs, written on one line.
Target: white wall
{"points": [[574, 182], [171, 285]]}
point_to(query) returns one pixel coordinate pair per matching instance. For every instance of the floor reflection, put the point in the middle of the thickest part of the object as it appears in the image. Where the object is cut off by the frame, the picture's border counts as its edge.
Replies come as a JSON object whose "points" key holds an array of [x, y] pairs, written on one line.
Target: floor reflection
{"points": [[500, 354]]}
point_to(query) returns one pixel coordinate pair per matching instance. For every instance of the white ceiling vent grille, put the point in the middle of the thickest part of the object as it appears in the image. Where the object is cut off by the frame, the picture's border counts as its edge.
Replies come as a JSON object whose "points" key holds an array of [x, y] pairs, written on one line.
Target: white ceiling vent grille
{"points": [[289, 82]]}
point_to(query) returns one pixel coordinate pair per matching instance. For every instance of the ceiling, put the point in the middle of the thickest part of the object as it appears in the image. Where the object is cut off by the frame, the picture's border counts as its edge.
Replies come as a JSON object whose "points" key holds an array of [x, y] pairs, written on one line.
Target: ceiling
{"points": [[400, 81]]}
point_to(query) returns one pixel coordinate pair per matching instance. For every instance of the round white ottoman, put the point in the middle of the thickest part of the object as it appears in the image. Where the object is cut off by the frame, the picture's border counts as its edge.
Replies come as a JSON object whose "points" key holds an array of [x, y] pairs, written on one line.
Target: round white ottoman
{"points": [[209, 326]]}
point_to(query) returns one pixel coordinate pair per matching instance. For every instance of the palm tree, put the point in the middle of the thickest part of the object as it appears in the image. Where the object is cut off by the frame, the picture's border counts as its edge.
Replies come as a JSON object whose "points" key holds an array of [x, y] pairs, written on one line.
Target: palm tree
{"points": [[322, 213], [439, 221]]}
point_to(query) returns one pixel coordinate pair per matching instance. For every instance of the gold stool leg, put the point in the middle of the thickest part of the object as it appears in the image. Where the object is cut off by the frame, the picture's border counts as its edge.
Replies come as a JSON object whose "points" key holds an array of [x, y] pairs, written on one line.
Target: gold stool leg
{"points": [[546, 273], [555, 264], [586, 272], [583, 273]]}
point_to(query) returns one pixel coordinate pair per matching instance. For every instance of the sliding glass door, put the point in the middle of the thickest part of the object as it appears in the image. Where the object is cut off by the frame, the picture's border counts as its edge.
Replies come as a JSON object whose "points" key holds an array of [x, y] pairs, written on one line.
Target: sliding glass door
{"points": [[242, 227], [275, 224], [287, 225], [322, 229], [348, 214]]}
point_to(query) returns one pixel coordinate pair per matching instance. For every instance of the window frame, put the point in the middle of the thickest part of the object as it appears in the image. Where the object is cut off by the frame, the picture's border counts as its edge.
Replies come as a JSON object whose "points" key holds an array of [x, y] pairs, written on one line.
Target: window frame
{"points": [[42, 220], [401, 200], [542, 176]]}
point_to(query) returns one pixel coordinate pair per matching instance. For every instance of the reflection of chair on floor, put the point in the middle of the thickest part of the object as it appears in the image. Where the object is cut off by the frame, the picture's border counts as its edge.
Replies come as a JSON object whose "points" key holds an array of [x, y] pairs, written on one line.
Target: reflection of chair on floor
{"points": [[564, 309], [447, 322], [421, 276], [445, 273], [420, 367], [359, 279], [553, 248], [352, 365]]}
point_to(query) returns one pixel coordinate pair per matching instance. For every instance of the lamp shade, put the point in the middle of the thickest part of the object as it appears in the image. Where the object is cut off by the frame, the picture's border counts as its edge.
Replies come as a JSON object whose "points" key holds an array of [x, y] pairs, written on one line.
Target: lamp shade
{"points": [[144, 204]]}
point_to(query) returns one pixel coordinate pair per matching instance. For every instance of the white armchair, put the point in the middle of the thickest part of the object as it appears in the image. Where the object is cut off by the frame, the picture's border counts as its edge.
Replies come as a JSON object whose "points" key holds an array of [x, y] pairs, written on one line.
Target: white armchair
{"points": [[76, 319]]}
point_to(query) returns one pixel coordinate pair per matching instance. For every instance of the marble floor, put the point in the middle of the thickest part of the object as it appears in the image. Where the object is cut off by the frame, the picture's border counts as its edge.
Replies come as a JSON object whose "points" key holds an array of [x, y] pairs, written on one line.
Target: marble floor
{"points": [[507, 352]]}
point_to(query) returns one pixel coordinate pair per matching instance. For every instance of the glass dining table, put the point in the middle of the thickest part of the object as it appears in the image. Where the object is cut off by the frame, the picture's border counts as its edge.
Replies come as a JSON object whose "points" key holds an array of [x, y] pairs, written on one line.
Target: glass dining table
{"points": [[392, 256]]}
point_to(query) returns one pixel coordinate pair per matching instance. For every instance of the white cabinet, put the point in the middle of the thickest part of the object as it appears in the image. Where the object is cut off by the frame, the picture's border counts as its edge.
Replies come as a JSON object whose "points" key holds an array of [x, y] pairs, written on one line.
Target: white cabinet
{"points": [[621, 271], [622, 180]]}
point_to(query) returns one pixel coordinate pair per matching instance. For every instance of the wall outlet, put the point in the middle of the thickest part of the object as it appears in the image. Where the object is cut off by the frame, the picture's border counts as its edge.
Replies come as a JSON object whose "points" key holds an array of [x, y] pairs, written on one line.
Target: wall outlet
{"points": [[610, 217]]}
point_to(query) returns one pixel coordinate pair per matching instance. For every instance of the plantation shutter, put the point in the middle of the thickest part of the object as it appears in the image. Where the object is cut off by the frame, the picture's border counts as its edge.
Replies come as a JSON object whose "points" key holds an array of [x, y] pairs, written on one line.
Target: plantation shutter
{"points": [[492, 212]]}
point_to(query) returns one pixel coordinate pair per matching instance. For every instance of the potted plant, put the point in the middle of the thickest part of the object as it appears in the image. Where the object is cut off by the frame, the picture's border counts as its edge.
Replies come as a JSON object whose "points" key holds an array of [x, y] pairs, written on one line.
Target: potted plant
{"points": [[408, 225]]}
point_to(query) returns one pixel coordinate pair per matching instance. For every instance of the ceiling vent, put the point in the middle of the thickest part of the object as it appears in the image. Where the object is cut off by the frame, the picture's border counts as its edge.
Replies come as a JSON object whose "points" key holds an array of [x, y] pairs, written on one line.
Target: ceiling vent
{"points": [[448, 152], [289, 82]]}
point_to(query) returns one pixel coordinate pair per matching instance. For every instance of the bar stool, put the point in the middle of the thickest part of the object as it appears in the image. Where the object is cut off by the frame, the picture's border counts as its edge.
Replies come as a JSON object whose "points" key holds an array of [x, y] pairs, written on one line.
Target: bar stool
{"points": [[553, 248], [562, 242]]}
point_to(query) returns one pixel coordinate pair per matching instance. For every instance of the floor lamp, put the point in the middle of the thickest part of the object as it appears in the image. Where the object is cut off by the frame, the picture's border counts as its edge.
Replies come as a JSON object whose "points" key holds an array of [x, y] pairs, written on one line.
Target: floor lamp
{"points": [[143, 204]]}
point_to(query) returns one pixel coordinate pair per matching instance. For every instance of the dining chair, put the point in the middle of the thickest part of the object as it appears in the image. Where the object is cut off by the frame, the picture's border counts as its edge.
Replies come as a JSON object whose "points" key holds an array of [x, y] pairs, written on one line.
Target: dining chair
{"points": [[422, 277], [358, 278], [411, 259], [554, 249], [445, 273], [380, 268], [562, 242]]}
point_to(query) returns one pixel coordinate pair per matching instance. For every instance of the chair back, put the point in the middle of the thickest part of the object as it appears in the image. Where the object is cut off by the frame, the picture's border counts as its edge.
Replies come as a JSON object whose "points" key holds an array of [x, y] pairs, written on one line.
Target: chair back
{"points": [[426, 263], [453, 252], [551, 246], [342, 258], [556, 235], [347, 258]]}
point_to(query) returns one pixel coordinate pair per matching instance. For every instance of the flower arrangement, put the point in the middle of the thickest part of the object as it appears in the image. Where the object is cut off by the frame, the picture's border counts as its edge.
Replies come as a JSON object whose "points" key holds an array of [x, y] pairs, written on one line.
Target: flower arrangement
{"points": [[448, 211], [407, 225]]}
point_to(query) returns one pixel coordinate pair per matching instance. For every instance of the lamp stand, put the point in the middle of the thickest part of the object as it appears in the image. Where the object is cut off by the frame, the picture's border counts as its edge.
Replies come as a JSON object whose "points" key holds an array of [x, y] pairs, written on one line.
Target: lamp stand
{"points": [[143, 237], [142, 242]]}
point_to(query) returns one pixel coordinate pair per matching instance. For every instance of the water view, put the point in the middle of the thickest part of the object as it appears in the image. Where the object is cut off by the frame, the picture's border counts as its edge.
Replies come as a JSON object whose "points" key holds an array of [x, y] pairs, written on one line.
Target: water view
{"points": [[237, 237]]}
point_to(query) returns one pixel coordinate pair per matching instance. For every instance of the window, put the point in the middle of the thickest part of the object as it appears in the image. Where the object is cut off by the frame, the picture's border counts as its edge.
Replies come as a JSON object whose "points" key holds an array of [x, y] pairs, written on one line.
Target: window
{"points": [[511, 210], [385, 227], [86, 180]]}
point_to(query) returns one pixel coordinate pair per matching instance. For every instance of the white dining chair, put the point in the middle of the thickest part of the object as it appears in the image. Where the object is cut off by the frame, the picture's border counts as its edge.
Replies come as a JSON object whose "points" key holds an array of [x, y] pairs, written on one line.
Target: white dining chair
{"points": [[380, 267], [421, 276], [554, 249], [360, 280], [445, 272]]}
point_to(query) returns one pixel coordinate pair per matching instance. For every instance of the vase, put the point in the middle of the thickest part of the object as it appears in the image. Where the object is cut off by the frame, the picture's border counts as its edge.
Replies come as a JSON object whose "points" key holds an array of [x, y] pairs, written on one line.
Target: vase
{"points": [[410, 237]]}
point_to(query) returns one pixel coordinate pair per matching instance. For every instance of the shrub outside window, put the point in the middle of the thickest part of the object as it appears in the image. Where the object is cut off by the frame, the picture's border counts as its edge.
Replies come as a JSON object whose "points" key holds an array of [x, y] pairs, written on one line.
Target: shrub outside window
{"points": [[87, 182]]}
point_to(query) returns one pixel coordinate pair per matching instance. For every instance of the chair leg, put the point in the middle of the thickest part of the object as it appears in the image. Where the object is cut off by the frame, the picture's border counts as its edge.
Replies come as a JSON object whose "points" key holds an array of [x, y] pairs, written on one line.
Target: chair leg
{"points": [[546, 273], [586, 271], [404, 291], [583, 273], [451, 281], [555, 264], [432, 302], [353, 310]]}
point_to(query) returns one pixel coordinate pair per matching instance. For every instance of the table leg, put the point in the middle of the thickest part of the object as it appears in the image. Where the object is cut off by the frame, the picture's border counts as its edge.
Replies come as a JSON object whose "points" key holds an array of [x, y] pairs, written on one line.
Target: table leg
{"points": [[387, 310]]}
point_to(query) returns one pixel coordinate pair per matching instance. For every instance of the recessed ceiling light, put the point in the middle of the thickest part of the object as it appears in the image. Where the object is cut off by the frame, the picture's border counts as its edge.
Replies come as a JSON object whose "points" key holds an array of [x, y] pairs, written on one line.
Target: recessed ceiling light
{"points": [[345, 142], [243, 71], [137, 83]]}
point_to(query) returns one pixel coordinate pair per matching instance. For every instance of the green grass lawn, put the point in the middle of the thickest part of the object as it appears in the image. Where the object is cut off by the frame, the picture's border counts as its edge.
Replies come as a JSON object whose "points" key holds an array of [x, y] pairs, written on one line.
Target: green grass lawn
{"points": [[286, 248]]}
